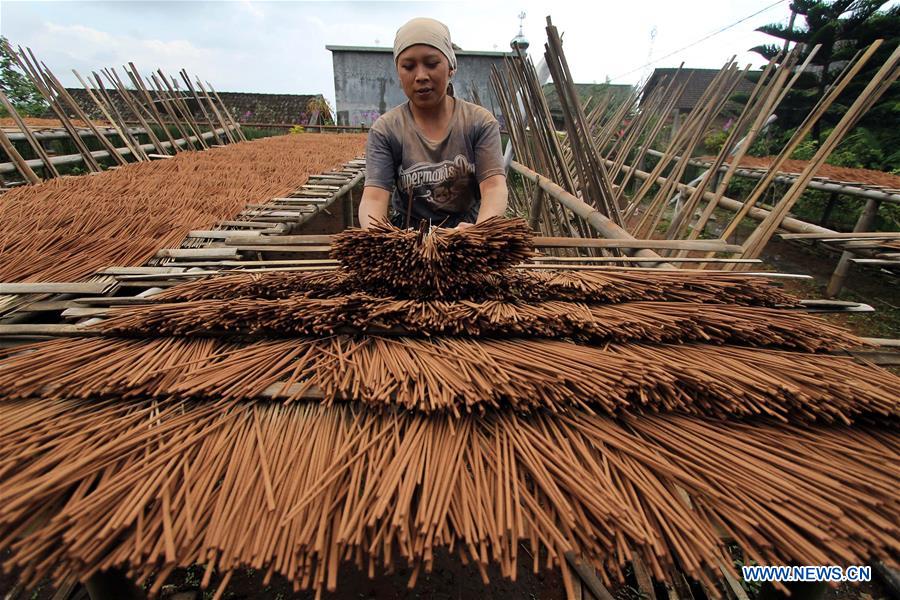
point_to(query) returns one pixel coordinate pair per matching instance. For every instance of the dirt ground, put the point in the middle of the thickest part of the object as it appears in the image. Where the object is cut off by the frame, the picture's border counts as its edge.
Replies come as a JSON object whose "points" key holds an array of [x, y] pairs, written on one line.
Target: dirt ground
{"points": [[878, 288]]}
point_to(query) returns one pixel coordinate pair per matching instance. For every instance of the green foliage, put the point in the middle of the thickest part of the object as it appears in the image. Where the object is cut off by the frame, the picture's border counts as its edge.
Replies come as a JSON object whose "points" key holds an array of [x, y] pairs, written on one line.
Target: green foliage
{"points": [[714, 141], [326, 112], [297, 129], [22, 94], [843, 28]]}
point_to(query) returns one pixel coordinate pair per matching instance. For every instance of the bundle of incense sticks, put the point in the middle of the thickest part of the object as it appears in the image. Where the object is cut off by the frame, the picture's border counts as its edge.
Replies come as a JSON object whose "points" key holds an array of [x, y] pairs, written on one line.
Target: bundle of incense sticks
{"points": [[282, 422], [431, 262], [664, 322], [602, 286], [459, 375], [68, 228], [307, 491]]}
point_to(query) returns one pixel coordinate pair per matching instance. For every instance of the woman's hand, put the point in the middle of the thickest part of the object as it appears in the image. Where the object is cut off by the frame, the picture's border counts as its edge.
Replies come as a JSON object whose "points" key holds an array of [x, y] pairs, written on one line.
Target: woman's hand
{"points": [[493, 198], [373, 205]]}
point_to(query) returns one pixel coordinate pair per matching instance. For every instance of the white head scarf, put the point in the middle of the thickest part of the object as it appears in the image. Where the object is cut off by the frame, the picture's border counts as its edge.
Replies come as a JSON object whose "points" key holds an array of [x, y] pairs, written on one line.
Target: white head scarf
{"points": [[430, 32]]}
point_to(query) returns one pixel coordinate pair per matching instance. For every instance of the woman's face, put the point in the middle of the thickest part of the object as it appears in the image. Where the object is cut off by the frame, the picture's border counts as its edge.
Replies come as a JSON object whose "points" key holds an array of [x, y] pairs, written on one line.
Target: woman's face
{"points": [[424, 74]]}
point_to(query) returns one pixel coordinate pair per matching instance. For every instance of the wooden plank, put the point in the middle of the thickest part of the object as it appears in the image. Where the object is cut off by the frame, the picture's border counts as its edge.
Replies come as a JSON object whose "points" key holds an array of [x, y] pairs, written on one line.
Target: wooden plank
{"points": [[299, 201], [273, 208], [878, 357], [839, 236], [640, 259], [236, 264], [733, 584], [45, 329], [303, 200], [81, 312], [300, 240], [875, 261], [707, 245], [89, 287], [139, 270], [198, 253], [588, 577], [274, 213], [246, 224], [219, 234], [835, 306], [167, 276], [145, 283], [883, 342], [276, 219], [112, 301], [292, 249], [45, 306], [561, 267], [870, 244]]}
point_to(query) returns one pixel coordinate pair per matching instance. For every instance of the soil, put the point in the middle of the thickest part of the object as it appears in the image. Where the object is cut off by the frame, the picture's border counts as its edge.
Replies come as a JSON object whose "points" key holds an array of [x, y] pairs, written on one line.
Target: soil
{"points": [[9, 122], [876, 287], [833, 172]]}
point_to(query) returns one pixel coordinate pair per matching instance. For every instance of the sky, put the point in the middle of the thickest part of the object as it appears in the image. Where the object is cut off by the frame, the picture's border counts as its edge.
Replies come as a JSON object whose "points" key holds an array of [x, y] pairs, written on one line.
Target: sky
{"points": [[279, 46]]}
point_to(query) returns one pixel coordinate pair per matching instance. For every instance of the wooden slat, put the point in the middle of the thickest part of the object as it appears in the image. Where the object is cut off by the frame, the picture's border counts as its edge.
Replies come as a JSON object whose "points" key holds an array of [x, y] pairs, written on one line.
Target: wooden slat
{"points": [[839, 236], [705, 245], [248, 224], [270, 208], [139, 270], [167, 276], [875, 261], [112, 301], [45, 329], [89, 287], [883, 342], [198, 253], [81, 312], [219, 234], [639, 259], [275, 248], [45, 306], [239, 264], [280, 240]]}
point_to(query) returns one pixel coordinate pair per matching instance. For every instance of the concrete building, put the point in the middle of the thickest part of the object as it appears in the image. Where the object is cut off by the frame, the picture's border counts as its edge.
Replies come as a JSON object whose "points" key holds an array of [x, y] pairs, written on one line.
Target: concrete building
{"points": [[366, 84]]}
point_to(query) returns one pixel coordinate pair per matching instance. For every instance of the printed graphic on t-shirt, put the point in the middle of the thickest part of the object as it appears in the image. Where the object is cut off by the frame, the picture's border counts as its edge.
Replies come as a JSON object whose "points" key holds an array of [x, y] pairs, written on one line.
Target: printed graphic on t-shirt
{"points": [[443, 186]]}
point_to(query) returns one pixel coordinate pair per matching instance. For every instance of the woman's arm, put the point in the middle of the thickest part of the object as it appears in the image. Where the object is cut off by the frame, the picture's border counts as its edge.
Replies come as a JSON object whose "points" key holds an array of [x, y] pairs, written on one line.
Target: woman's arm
{"points": [[493, 197], [373, 205]]}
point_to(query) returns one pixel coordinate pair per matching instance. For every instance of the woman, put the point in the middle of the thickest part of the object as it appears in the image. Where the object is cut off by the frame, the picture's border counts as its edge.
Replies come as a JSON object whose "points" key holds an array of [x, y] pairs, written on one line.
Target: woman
{"points": [[436, 158]]}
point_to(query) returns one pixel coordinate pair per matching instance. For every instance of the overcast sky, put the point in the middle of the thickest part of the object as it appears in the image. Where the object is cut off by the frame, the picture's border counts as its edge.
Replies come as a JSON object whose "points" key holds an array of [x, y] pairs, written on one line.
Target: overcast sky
{"points": [[271, 46]]}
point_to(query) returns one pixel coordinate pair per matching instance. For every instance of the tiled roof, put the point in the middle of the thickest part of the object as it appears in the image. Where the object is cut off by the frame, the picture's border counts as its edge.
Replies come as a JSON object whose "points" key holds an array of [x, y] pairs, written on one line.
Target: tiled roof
{"points": [[245, 107], [585, 92], [697, 84]]}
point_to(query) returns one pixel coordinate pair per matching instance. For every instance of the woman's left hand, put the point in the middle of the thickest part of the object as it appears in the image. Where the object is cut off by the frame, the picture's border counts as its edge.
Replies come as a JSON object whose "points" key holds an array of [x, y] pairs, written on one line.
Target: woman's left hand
{"points": [[464, 225]]}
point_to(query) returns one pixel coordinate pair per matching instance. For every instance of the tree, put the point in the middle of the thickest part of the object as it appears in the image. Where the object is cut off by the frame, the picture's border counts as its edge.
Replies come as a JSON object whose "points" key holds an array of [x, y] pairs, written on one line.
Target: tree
{"points": [[842, 27], [17, 87]]}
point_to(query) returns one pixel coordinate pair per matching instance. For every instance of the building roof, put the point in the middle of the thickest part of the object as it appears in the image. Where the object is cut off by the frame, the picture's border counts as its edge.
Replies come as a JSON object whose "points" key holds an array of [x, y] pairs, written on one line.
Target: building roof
{"points": [[391, 51], [245, 107], [585, 92], [697, 84]]}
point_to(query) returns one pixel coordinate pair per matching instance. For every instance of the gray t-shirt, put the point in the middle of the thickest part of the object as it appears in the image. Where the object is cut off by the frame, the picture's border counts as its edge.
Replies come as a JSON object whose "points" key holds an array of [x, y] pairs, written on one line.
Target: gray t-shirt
{"points": [[442, 176]]}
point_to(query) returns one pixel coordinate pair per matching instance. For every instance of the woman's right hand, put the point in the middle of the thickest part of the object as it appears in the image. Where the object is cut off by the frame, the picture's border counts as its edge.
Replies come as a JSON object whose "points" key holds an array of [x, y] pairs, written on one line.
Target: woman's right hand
{"points": [[373, 206]]}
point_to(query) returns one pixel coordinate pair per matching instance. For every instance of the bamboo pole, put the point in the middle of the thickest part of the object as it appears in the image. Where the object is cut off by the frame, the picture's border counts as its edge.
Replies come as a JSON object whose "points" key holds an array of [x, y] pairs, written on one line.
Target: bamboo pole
{"points": [[17, 159], [124, 134], [32, 141]]}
